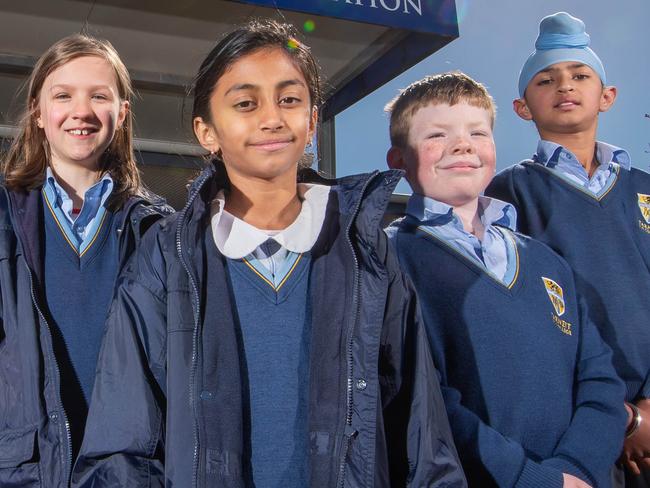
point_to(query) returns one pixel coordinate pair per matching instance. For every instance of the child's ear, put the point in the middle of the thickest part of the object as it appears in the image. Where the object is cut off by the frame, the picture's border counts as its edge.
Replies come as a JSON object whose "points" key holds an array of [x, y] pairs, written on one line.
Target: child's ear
{"points": [[395, 158], [36, 112], [125, 106], [205, 134], [520, 107], [607, 98]]}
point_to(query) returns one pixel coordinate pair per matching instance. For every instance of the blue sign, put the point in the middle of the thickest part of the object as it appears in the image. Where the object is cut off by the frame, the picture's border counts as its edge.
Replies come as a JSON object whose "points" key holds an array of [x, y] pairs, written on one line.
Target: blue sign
{"points": [[430, 16]]}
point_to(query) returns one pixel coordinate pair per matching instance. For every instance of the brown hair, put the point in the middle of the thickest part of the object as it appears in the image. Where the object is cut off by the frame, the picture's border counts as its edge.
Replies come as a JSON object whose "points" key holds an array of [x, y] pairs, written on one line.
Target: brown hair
{"points": [[25, 163], [446, 88]]}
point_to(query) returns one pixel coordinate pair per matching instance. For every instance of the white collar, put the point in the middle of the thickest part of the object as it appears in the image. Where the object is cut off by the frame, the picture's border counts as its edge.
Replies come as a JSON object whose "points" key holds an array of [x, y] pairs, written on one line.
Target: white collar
{"points": [[235, 238]]}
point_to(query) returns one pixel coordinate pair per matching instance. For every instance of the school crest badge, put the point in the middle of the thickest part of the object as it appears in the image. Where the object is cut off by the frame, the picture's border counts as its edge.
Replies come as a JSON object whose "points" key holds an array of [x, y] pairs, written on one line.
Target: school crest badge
{"points": [[556, 295], [644, 206]]}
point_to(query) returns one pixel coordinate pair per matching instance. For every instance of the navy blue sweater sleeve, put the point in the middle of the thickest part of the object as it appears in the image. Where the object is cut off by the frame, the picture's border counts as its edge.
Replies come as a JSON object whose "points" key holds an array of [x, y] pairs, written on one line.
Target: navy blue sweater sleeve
{"points": [[645, 389], [593, 440], [504, 458], [123, 441]]}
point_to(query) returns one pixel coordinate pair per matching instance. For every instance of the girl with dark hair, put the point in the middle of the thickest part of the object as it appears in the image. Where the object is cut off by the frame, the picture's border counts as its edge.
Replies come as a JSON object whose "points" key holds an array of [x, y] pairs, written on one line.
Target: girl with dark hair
{"points": [[265, 336], [72, 209]]}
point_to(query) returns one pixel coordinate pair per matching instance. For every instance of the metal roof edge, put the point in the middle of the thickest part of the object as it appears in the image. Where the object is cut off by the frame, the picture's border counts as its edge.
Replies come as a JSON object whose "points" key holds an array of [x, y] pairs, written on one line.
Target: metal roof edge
{"points": [[411, 50]]}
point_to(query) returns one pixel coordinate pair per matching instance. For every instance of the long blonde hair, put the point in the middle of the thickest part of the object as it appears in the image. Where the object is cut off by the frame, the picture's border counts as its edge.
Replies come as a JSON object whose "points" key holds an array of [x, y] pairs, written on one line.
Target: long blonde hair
{"points": [[25, 163]]}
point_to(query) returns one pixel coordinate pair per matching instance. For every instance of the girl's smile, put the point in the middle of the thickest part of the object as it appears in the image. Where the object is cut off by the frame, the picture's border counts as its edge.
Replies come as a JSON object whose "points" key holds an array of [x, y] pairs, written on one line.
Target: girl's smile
{"points": [[261, 117], [272, 145], [79, 109]]}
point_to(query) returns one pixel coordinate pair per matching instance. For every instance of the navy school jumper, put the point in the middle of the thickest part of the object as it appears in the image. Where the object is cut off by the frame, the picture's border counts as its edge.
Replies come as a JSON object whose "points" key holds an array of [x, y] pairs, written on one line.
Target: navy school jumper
{"points": [[78, 292], [528, 383], [273, 325], [35, 431], [606, 241], [376, 415]]}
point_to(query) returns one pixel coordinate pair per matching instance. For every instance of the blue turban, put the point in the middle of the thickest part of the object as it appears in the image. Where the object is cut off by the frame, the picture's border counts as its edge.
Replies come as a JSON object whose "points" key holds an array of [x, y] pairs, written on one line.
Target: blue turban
{"points": [[562, 37]]}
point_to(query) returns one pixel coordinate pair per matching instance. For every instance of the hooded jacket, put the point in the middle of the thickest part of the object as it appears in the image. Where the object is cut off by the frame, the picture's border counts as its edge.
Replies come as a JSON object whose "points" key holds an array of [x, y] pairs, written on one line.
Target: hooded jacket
{"points": [[166, 409], [35, 443]]}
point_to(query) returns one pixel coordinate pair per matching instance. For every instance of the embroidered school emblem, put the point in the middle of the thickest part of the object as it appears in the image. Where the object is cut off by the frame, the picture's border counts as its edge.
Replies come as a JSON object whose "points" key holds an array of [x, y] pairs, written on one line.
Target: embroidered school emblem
{"points": [[644, 206], [556, 295]]}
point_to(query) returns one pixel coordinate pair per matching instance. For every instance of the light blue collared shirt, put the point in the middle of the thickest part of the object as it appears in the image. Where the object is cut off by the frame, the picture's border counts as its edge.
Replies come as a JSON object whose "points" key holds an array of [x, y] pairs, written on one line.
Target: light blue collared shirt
{"points": [[565, 163], [81, 229], [272, 253], [495, 252]]}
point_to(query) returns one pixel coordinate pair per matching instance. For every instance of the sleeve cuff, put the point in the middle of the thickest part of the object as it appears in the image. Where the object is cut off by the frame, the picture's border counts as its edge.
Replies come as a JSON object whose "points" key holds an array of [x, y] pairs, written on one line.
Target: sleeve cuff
{"points": [[565, 466], [534, 475]]}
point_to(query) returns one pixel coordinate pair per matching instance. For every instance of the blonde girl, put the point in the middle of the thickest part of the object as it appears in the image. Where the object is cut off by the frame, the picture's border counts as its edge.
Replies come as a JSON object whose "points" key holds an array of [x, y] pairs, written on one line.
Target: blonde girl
{"points": [[72, 209]]}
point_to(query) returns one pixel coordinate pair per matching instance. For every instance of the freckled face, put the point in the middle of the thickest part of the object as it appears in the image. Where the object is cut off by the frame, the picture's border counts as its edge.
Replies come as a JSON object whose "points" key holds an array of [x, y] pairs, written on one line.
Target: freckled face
{"points": [[261, 116], [451, 155], [79, 109]]}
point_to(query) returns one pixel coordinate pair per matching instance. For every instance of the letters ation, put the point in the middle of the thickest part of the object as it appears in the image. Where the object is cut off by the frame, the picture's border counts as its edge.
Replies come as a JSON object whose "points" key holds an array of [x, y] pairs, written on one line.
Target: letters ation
{"points": [[408, 6]]}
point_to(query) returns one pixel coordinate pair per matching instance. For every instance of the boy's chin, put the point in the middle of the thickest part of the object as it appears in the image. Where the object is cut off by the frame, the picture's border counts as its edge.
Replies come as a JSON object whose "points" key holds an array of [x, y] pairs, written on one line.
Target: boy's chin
{"points": [[455, 200], [567, 126]]}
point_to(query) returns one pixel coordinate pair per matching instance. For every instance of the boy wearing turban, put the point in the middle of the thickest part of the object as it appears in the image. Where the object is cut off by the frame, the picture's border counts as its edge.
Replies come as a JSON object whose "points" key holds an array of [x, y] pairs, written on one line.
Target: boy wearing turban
{"points": [[582, 198]]}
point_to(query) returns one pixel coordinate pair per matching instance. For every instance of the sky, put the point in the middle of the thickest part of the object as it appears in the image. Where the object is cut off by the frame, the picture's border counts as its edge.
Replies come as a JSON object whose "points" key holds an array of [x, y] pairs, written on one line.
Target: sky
{"points": [[496, 37]]}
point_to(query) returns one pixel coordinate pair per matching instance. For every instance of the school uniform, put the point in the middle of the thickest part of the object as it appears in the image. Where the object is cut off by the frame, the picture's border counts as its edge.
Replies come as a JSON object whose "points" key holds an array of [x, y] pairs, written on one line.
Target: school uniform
{"points": [[80, 253], [269, 275], [527, 381], [307, 370], [56, 281], [602, 228]]}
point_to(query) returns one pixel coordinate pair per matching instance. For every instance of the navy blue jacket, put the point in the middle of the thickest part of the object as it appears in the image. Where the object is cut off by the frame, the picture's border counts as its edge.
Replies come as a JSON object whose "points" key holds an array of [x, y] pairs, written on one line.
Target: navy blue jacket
{"points": [[529, 384], [166, 408], [35, 446], [606, 241]]}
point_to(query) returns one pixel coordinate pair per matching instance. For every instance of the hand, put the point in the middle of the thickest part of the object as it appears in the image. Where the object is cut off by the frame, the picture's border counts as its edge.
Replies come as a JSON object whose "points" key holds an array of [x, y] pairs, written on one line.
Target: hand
{"points": [[571, 481], [636, 449]]}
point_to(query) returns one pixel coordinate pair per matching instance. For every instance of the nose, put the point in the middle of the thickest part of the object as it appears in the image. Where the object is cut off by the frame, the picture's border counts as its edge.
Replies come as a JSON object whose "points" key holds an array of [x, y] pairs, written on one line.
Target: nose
{"points": [[462, 145], [82, 108], [271, 117], [565, 84]]}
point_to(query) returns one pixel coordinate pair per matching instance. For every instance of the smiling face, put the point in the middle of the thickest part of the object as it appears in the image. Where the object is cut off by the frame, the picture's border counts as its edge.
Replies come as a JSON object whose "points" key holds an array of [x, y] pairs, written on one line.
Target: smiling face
{"points": [[261, 117], [565, 98], [450, 155], [79, 109]]}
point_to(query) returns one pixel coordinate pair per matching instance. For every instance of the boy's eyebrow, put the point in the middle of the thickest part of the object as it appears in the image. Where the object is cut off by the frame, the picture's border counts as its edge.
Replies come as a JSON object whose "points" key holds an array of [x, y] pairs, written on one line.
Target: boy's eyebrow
{"points": [[442, 125], [571, 66], [251, 86]]}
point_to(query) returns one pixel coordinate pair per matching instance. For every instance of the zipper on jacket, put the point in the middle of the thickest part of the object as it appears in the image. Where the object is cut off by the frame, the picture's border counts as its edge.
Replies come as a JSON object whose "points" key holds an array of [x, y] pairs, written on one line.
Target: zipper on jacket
{"points": [[63, 418], [349, 432], [62, 414], [195, 335]]}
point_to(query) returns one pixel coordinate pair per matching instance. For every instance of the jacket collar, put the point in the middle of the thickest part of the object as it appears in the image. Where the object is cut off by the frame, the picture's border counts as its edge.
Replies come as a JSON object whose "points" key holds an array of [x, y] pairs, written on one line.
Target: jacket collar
{"points": [[25, 216], [362, 199], [21, 211]]}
